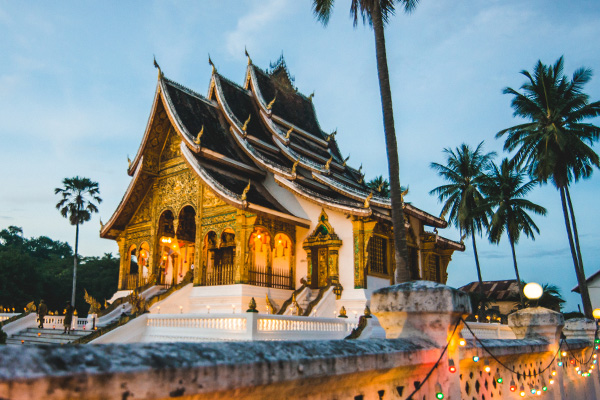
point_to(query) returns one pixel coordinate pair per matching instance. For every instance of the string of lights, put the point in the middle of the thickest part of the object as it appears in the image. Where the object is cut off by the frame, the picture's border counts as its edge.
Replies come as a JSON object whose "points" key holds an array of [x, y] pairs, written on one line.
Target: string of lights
{"points": [[533, 388], [439, 394], [483, 346]]}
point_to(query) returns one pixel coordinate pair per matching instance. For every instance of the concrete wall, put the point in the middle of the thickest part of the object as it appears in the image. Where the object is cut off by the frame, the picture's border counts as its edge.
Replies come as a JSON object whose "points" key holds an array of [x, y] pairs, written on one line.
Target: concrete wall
{"points": [[420, 319]]}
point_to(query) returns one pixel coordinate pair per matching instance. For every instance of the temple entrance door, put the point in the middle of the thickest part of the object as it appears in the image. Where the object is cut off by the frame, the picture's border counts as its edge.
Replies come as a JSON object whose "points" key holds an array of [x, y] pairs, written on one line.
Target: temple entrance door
{"points": [[320, 272]]}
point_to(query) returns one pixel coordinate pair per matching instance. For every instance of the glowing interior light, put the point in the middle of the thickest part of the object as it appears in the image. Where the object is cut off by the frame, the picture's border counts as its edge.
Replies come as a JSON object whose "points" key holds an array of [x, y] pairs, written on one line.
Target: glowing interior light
{"points": [[552, 381], [553, 373], [596, 313], [487, 366], [462, 342], [564, 354]]}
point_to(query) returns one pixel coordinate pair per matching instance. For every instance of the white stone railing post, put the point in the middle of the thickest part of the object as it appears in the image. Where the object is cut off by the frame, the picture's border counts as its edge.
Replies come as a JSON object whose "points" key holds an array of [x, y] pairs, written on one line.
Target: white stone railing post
{"points": [[427, 311]]}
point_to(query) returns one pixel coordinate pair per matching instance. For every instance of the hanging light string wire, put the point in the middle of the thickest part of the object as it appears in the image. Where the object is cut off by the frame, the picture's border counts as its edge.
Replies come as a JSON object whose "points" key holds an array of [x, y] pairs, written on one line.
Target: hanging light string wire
{"points": [[437, 363], [484, 347], [577, 359]]}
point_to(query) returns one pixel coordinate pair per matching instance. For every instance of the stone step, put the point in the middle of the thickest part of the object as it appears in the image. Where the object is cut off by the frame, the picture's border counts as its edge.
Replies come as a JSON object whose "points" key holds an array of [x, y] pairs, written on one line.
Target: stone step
{"points": [[50, 331], [55, 335], [36, 341]]}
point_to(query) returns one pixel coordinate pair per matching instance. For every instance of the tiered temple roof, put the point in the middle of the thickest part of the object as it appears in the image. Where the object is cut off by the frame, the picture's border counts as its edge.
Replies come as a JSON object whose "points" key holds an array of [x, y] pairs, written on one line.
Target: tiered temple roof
{"points": [[237, 136]]}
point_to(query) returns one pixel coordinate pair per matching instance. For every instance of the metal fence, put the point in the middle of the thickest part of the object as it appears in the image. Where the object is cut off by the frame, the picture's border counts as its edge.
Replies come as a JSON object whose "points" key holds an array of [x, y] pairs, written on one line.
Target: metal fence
{"points": [[266, 277], [222, 274]]}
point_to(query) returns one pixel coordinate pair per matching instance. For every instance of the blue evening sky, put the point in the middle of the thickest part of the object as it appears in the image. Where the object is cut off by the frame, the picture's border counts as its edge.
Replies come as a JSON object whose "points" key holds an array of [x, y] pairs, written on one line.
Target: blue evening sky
{"points": [[77, 83]]}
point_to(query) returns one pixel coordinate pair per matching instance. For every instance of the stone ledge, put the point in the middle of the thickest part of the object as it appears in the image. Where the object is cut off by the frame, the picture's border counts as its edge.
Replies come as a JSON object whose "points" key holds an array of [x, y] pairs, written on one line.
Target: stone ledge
{"points": [[155, 370]]}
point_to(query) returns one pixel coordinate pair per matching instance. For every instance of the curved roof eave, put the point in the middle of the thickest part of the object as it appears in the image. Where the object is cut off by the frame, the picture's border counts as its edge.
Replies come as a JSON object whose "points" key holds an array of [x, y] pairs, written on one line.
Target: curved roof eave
{"points": [[106, 228], [351, 192], [322, 200], [231, 198], [263, 107], [138, 156], [236, 131]]}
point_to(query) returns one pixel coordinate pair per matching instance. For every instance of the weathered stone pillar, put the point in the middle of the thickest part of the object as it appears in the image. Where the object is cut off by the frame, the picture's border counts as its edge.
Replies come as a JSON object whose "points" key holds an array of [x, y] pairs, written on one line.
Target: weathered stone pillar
{"points": [[580, 328], [537, 322], [541, 323], [428, 311]]}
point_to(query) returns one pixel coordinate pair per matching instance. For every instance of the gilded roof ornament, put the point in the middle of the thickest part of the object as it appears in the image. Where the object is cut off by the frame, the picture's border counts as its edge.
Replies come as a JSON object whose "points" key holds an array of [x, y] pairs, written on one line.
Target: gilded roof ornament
{"points": [[360, 168], [247, 55], [288, 133], [346, 160], [270, 105], [128, 162], [328, 164], [197, 141], [245, 127], [101, 224], [311, 96], [160, 74], [295, 166], [402, 194], [368, 200], [331, 136], [361, 179], [214, 69], [246, 190], [380, 187]]}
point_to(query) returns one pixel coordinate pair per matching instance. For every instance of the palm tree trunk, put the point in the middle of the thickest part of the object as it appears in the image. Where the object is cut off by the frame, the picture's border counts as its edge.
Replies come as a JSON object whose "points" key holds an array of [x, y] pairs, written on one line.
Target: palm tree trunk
{"points": [[585, 295], [402, 273], [585, 298], [481, 293], [512, 246], [75, 264]]}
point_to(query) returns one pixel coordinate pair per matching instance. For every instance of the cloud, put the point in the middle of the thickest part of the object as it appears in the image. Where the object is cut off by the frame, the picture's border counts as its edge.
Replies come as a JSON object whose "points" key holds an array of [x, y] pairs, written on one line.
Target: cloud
{"points": [[250, 26]]}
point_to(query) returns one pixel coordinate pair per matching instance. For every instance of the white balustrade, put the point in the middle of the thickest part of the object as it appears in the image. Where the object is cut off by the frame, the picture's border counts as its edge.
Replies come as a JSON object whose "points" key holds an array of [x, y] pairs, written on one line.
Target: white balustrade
{"points": [[488, 331], [246, 326]]}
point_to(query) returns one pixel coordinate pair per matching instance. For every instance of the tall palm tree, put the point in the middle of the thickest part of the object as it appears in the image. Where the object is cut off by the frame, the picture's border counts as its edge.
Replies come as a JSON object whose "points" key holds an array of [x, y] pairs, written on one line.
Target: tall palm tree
{"points": [[504, 189], [377, 13], [463, 200], [77, 205], [555, 145]]}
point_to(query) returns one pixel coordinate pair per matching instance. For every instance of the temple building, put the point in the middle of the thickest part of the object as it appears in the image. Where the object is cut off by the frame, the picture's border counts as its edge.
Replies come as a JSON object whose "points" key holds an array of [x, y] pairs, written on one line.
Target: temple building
{"points": [[242, 193]]}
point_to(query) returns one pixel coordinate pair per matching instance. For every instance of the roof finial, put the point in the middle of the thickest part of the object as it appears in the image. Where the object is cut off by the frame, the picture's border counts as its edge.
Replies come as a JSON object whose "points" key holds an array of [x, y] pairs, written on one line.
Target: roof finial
{"points": [[128, 162], [311, 96], [197, 141], [380, 187], [270, 105], [328, 164], [247, 55], [361, 179], [246, 190], [402, 194], [346, 160], [360, 168], [101, 224], [295, 166], [288, 133], [245, 127], [329, 137], [368, 200], [160, 74], [214, 69]]}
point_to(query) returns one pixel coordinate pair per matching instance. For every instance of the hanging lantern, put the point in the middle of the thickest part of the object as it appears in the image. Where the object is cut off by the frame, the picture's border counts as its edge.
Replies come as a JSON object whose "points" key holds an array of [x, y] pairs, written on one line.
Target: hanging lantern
{"points": [[438, 391]]}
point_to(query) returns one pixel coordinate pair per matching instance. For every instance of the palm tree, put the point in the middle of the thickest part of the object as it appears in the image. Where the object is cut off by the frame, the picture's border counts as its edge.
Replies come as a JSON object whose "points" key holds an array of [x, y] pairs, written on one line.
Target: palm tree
{"points": [[555, 145], [77, 204], [464, 202], [377, 14], [380, 186], [504, 189]]}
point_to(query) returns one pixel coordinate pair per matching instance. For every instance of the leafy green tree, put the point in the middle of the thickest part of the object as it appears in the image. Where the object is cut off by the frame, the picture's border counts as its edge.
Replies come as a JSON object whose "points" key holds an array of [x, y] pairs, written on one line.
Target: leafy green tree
{"points": [[462, 197], [77, 205], [556, 143], [377, 13], [505, 190]]}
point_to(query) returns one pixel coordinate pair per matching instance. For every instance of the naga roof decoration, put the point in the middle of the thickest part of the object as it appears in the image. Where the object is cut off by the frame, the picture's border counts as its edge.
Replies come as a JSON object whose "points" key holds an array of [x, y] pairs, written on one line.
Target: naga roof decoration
{"points": [[237, 134]]}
